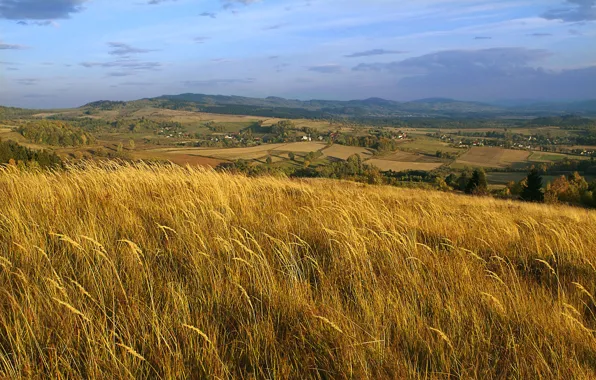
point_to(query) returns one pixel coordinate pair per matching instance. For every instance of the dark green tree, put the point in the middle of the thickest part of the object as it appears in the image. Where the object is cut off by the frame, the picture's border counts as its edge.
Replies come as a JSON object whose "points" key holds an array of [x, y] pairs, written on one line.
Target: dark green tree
{"points": [[452, 181], [463, 180], [532, 191], [354, 164], [478, 183]]}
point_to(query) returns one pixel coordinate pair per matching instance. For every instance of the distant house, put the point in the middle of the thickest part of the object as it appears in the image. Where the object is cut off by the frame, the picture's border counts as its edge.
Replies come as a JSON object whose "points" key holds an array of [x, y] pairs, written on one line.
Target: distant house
{"points": [[306, 138]]}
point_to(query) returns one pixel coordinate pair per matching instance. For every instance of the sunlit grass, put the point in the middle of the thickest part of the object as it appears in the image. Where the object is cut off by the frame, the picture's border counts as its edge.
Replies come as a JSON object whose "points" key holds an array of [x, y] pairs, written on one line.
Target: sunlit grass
{"points": [[138, 271]]}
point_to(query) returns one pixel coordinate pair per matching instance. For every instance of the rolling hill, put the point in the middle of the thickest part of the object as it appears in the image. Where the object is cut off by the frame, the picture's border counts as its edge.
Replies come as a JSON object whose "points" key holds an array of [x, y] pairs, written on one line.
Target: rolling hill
{"points": [[367, 108]]}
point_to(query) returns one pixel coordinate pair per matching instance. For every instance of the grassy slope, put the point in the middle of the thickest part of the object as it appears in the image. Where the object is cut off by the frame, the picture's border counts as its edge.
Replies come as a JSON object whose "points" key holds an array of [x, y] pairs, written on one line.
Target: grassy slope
{"points": [[175, 272]]}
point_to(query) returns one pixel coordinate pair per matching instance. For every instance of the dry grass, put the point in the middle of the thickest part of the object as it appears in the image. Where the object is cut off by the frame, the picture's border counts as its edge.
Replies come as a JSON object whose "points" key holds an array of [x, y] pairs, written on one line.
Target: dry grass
{"points": [[168, 272]]}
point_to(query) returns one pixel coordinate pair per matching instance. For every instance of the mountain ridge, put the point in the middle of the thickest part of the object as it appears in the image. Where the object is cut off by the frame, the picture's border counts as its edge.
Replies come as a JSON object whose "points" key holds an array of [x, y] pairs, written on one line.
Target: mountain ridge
{"points": [[373, 107], [380, 107]]}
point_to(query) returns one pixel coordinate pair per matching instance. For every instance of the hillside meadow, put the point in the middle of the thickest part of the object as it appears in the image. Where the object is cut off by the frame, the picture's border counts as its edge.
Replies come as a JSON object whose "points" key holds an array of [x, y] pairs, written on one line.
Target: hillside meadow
{"points": [[121, 271]]}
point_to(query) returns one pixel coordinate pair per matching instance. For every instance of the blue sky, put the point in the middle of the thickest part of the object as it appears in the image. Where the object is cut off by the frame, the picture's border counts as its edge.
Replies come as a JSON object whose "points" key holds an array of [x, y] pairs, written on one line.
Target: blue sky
{"points": [[63, 53]]}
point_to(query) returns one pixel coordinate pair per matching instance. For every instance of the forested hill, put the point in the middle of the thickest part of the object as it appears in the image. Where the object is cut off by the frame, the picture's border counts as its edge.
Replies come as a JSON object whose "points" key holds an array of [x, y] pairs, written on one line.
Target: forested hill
{"points": [[7, 113], [368, 108], [372, 108]]}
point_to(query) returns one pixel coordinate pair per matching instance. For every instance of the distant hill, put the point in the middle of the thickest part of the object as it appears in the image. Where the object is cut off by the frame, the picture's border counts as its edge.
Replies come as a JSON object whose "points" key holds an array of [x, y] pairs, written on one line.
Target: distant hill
{"points": [[106, 105], [565, 121], [372, 107], [583, 107], [368, 108], [13, 112]]}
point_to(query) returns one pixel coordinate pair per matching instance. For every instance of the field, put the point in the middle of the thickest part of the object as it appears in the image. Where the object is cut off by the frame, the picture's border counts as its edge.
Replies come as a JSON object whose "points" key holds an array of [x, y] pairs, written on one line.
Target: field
{"points": [[425, 145], [302, 147], [342, 152], [170, 272], [410, 157], [229, 153], [179, 158], [251, 153], [489, 157], [403, 165], [402, 161], [547, 157]]}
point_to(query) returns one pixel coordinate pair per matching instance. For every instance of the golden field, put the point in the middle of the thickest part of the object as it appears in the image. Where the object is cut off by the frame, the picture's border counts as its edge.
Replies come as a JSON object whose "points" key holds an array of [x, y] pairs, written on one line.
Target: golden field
{"points": [[166, 272]]}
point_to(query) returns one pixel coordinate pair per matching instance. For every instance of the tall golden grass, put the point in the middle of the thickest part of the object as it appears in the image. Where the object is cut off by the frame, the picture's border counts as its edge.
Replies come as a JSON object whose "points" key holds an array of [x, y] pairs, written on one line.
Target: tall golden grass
{"points": [[113, 271]]}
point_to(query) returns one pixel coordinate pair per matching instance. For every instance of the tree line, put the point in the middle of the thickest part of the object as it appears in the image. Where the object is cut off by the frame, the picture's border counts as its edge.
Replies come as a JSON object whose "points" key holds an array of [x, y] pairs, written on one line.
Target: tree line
{"points": [[53, 132], [570, 189], [15, 154]]}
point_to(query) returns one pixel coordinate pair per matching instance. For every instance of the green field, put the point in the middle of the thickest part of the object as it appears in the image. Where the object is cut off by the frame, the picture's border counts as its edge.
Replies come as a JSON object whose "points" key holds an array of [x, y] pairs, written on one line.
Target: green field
{"points": [[550, 157]]}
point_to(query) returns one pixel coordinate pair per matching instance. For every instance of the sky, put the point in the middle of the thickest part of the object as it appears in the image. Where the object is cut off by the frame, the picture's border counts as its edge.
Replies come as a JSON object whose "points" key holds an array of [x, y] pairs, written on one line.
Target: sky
{"points": [[65, 53]]}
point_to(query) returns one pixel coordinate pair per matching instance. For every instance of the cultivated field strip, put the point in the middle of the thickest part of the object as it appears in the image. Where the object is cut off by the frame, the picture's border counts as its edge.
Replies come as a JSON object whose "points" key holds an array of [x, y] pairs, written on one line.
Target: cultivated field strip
{"points": [[399, 166], [491, 157]]}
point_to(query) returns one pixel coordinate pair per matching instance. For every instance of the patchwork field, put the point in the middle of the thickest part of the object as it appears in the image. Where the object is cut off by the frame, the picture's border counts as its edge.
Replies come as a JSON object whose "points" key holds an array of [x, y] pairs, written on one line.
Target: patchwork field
{"points": [[251, 153], [398, 166], [230, 153], [490, 157], [417, 152]]}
